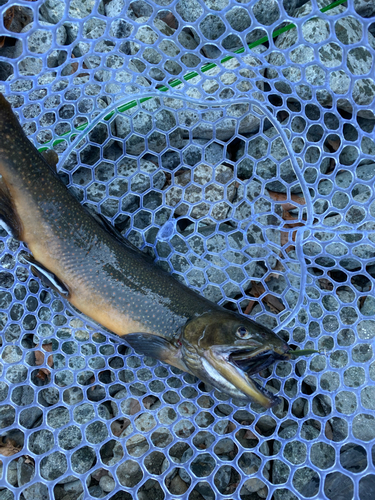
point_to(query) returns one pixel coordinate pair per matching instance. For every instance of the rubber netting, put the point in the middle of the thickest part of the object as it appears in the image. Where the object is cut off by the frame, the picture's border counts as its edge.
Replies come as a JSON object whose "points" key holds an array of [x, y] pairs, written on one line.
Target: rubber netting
{"points": [[251, 181]]}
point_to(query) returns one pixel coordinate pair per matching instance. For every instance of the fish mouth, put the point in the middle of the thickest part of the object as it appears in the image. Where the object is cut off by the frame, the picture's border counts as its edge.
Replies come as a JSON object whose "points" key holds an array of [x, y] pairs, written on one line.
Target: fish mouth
{"points": [[251, 363], [237, 368]]}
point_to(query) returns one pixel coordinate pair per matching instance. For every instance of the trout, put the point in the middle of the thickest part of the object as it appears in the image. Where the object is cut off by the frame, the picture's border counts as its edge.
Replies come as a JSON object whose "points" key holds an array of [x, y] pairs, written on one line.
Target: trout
{"points": [[89, 263]]}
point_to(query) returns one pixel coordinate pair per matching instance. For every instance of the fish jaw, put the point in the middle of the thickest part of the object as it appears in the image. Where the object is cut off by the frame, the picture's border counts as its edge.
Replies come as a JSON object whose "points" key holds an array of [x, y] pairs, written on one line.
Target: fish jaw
{"points": [[221, 366], [225, 349]]}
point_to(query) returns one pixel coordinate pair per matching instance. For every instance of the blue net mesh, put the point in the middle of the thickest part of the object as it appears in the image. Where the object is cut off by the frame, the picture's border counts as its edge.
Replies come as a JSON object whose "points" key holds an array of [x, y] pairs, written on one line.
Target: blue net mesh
{"points": [[251, 181]]}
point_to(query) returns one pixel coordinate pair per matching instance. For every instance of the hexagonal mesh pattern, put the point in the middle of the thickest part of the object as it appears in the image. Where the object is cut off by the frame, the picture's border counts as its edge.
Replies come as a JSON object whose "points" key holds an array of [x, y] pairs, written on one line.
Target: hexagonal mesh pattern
{"points": [[251, 180]]}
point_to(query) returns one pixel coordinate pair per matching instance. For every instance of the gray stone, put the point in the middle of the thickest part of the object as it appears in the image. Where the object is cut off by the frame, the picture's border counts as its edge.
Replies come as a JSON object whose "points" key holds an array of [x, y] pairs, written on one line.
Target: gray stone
{"points": [[52, 11], [368, 306], [12, 473], [346, 402], [294, 451], [330, 381], [118, 451], [364, 8], [362, 353], [368, 398], [62, 379], [361, 193], [330, 55], [339, 82], [70, 437], [189, 10], [83, 459], [36, 491], [222, 477], [364, 251], [142, 123], [119, 29], [146, 35], [53, 466], [41, 441], [50, 395], [71, 34], [364, 91], [114, 8], [4, 390], [238, 18], [349, 30], [359, 61], [40, 41], [129, 473], [74, 488], [140, 182], [306, 481], [57, 417], [95, 491], [196, 278], [366, 329], [96, 432], [346, 337], [322, 455], [11, 353], [364, 427], [93, 28], [107, 484], [79, 9], [280, 472], [25, 471], [73, 395], [163, 27]]}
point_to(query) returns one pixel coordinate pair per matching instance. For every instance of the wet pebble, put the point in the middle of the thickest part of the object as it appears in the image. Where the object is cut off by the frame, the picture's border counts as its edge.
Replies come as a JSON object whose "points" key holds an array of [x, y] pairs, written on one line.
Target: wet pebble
{"points": [[53, 466], [107, 484], [25, 470], [36, 491]]}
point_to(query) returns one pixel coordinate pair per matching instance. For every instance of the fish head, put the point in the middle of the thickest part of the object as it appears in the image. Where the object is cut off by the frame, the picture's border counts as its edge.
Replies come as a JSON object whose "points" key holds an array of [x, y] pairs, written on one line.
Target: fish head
{"points": [[225, 349]]}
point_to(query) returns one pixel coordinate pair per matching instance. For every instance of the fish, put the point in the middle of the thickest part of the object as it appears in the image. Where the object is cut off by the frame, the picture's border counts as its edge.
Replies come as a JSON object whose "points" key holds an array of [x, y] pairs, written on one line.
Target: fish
{"points": [[89, 263]]}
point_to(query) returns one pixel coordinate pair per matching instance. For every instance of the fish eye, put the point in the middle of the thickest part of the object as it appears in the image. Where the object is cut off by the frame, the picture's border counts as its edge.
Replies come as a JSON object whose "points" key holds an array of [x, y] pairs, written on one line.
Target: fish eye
{"points": [[242, 333]]}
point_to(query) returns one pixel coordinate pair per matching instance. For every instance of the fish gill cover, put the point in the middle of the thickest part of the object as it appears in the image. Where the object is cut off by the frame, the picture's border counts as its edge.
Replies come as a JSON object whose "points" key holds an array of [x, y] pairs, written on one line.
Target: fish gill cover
{"points": [[252, 182]]}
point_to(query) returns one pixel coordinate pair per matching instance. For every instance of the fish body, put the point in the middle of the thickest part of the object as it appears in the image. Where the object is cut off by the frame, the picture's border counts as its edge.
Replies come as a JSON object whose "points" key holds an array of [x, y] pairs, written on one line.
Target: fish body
{"points": [[117, 285]]}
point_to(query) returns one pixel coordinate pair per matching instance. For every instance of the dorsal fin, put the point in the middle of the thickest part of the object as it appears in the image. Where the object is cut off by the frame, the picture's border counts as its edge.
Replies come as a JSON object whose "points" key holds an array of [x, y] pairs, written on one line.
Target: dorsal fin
{"points": [[115, 233]]}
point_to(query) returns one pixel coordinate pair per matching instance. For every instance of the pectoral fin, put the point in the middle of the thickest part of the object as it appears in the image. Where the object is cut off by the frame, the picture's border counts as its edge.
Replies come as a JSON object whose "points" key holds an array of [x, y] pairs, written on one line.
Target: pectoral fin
{"points": [[48, 279], [156, 347]]}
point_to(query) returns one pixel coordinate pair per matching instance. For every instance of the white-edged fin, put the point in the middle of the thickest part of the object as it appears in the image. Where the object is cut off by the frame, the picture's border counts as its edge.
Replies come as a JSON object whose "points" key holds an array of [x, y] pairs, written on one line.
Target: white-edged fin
{"points": [[6, 227], [47, 277], [156, 347]]}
